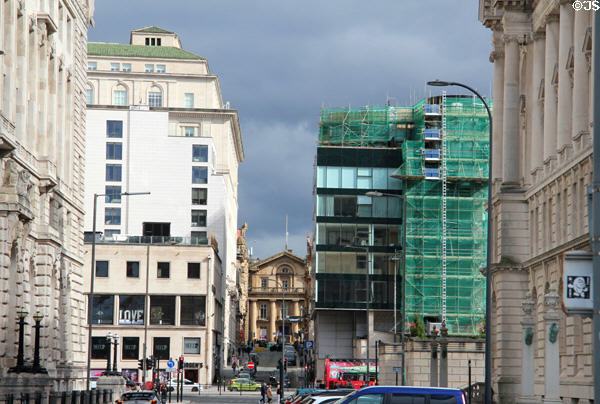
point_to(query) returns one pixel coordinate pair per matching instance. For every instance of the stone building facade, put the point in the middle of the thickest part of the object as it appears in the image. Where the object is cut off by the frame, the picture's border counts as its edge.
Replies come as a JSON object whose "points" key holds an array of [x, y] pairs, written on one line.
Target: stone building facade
{"points": [[243, 260], [42, 141], [542, 164], [266, 280]]}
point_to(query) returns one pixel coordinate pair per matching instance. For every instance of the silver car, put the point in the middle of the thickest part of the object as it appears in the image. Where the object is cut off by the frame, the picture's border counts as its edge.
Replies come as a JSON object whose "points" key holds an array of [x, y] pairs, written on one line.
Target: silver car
{"points": [[139, 397]]}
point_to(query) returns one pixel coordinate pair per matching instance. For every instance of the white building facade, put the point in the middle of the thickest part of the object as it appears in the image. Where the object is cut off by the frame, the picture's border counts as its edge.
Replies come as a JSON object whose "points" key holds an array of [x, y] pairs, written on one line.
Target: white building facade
{"points": [[157, 123], [542, 156], [42, 136]]}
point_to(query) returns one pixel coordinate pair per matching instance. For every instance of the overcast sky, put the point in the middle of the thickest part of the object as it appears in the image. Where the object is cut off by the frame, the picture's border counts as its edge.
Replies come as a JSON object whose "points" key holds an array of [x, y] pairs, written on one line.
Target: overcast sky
{"points": [[279, 62]]}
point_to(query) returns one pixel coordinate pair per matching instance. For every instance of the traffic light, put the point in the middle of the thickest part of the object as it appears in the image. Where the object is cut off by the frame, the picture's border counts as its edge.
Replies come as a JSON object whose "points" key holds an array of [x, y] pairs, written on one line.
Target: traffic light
{"points": [[180, 362], [141, 364], [279, 364], [149, 363], [285, 365]]}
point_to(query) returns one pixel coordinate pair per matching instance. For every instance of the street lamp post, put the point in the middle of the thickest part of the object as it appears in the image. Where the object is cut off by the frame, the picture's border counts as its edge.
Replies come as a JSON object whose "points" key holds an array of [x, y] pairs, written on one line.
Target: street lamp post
{"points": [[377, 194], [116, 343], [109, 342], [283, 314], [93, 276], [488, 274]]}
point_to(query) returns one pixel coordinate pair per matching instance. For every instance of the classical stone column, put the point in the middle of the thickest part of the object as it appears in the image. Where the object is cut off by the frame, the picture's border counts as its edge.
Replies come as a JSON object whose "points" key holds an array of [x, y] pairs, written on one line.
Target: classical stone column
{"points": [[551, 352], [581, 82], [497, 57], [253, 316], [537, 107], [549, 90], [565, 91], [527, 355], [272, 318], [510, 138]]}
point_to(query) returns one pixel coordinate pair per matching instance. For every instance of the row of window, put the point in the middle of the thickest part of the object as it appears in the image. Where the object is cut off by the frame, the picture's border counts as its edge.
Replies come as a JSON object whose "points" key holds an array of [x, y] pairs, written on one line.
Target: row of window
{"points": [[264, 312], [199, 174], [352, 234], [120, 97], [355, 263], [130, 347], [126, 67], [357, 178], [358, 206], [163, 269], [132, 310]]}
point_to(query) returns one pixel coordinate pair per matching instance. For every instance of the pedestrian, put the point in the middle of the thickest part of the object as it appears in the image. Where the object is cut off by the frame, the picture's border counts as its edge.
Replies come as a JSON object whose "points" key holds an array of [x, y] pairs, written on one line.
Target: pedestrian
{"points": [[234, 366], [269, 394], [263, 393]]}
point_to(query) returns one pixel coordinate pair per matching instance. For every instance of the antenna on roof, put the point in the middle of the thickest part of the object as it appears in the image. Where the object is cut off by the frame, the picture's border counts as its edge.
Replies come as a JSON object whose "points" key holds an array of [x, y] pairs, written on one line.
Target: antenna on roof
{"points": [[286, 232]]}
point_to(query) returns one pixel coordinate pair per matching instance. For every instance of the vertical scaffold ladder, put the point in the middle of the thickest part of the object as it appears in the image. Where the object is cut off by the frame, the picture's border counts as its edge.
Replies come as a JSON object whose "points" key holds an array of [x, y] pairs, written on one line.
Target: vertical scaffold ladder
{"points": [[444, 212]]}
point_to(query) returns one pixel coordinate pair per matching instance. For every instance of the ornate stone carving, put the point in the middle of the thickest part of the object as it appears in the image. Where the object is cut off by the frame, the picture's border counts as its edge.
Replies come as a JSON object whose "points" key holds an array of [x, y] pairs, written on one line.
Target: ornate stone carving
{"points": [[528, 304], [551, 298], [10, 173], [20, 8]]}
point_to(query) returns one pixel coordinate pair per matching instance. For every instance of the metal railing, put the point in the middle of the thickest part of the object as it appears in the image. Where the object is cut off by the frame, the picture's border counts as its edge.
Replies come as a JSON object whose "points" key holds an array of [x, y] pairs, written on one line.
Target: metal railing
{"points": [[104, 396], [168, 240]]}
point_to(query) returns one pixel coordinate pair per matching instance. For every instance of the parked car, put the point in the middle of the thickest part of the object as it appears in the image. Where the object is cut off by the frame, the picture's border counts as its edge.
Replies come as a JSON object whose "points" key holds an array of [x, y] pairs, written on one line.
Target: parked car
{"points": [[241, 384], [382, 394], [139, 397], [188, 385], [274, 379]]}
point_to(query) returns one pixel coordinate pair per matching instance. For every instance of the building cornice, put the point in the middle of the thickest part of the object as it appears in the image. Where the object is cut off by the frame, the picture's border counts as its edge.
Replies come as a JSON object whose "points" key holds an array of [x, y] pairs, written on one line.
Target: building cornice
{"points": [[120, 75]]}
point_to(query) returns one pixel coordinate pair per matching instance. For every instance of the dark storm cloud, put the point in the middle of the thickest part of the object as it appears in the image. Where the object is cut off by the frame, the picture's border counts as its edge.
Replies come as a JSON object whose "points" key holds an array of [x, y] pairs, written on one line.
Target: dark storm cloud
{"points": [[278, 62]]}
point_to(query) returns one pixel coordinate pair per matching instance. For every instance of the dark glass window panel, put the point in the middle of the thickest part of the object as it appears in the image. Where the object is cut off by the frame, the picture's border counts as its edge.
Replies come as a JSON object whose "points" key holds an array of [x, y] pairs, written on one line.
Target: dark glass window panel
{"points": [[113, 194], [114, 128], [198, 218], [199, 237], [100, 347], [131, 309], [442, 399], [200, 153], [161, 348], [162, 270], [112, 216], [157, 229], [199, 175], [368, 399], [194, 270], [408, 399], [131, 347], [193, 310], [101, 269], [102, 309], [199, 196], [133, 269], [162, 310], [114, 151], [344, 206], [113, 172]]}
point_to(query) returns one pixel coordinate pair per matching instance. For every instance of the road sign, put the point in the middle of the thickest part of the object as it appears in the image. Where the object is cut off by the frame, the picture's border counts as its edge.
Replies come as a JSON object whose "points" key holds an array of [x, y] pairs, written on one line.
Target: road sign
{"points": [[171, 364], [309, 345], [250, 365], [397, 370], [578, 274]]}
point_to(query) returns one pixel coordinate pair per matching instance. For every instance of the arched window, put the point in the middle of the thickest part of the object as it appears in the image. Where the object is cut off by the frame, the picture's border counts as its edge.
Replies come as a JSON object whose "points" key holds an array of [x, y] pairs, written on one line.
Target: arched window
{"points": [[155, 97], [120, 95]]}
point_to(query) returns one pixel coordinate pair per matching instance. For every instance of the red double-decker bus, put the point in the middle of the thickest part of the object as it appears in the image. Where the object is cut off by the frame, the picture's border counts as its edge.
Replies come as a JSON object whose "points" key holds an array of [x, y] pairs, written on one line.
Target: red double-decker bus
{"points": [[349, 373]]}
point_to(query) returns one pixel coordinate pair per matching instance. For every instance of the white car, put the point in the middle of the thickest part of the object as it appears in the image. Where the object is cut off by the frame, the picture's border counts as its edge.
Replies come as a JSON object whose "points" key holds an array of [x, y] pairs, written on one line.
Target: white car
{"points": [[188, 385]]}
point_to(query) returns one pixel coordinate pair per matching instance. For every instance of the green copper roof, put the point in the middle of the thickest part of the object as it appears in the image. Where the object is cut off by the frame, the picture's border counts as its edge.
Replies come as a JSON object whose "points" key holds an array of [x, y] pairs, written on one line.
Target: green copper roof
{"points": [[153, 30], [122, 50]]}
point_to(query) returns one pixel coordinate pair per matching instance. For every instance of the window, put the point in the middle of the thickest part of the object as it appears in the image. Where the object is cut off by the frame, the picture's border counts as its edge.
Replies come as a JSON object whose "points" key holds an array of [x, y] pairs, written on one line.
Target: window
{"points": [[102, 310], [284, 283], [101, 269], [113, 172], [131, 347], [133, 269], [126, 67], [191, 345], [92, 66], [114, 128], [198, 218], [263, 282], [112, 216], [131, 309], [193, 310], [194, 270], [157, 229], [120, 97], [368, 399], [199, 237], [158, 40], [155, 99], [199, 175], [89, 96], [161, 348], [189, 131], [199, 196], [149, 68], [162, 270], [263, 310], [442, 399], [162, 310], [200, 153], [114, 151], [100, 348], [408, 399], [188, 100], [115, 67], [113, 194], [161, 68]]}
